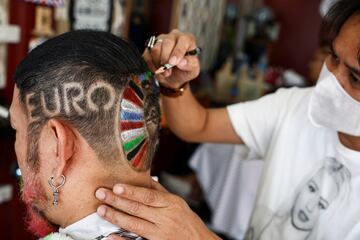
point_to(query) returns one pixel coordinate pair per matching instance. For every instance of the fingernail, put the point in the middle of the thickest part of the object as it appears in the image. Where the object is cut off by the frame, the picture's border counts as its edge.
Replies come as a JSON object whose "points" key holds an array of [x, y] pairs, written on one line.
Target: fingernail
{"points": [[101, 211], [100, 194], [118, 189], [173, 60], [183, 63]]}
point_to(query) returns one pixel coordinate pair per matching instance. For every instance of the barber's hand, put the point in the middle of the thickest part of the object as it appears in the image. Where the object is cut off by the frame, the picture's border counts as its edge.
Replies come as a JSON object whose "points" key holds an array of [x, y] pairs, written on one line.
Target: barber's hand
{"points": [[172, 50], [151, 213]]}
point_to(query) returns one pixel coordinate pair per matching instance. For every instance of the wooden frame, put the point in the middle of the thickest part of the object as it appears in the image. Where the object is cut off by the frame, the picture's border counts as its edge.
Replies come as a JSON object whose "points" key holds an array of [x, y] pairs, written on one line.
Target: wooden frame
{"points": [[128, 6], [108, 21]]}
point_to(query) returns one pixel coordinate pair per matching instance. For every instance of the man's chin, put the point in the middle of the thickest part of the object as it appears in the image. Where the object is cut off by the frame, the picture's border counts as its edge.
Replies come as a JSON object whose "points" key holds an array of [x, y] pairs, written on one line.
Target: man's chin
{"points": [[33, 196], [37, 223]]}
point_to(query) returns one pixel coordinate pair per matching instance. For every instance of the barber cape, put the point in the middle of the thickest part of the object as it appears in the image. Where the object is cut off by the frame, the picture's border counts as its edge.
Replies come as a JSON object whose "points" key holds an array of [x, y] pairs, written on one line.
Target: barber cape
{"points": [[92, 227]]}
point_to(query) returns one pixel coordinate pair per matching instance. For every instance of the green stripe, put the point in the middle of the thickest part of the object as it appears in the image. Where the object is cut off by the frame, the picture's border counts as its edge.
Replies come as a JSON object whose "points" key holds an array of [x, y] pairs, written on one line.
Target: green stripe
{"points": [[133, 143], [50, 237]]}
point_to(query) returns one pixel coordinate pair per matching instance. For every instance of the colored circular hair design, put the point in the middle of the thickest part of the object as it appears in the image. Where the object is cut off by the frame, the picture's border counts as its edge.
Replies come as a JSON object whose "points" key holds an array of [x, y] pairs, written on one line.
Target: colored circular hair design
{"points": [[134, 134]]}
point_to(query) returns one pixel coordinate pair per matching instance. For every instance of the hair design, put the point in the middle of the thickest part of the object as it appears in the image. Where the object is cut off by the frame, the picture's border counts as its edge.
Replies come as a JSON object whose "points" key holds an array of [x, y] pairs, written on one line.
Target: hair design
{"points": [[134, 135]]}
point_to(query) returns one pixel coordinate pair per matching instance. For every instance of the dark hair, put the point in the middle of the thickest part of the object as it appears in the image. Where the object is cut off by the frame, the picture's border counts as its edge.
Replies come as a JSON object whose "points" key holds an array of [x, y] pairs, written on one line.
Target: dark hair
{"points": [[88, 58], [336, 17]]}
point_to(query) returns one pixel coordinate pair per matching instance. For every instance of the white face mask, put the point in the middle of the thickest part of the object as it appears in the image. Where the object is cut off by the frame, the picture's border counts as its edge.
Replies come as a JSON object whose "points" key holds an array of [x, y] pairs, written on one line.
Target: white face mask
{"points": [[332, 107]]}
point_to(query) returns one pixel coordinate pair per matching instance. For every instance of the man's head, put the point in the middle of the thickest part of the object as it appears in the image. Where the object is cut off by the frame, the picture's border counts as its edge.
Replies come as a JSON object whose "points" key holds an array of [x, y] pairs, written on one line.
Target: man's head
{"points": [[86, 107]]}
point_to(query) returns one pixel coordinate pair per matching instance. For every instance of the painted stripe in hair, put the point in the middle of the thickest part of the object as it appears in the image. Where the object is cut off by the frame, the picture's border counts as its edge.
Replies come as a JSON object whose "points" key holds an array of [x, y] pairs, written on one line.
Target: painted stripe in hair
{"points": [[128, 125], [126, 136], [131, 116], [135, 151], [137, 89], [139, 157], [132, 145], [130, 106], [137, 81], [130, 95]]}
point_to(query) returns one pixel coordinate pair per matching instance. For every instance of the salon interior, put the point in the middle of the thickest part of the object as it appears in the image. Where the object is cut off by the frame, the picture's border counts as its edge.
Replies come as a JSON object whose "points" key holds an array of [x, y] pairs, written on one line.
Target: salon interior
{"points": [[250, 48]]}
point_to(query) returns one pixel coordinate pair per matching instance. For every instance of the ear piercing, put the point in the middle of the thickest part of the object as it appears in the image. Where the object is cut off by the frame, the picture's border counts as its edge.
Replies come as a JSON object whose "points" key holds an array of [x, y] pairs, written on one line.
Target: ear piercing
{"points": [[56, 189]]}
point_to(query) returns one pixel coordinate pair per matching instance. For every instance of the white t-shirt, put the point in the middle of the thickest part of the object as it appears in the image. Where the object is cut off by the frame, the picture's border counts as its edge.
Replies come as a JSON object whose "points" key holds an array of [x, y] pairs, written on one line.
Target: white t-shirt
{"points": [[310, 188]]}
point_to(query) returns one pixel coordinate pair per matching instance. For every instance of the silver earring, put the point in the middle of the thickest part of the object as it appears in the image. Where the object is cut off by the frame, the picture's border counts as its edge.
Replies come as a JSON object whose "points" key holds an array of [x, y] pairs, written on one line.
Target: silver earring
{"points": [[56, 188]]}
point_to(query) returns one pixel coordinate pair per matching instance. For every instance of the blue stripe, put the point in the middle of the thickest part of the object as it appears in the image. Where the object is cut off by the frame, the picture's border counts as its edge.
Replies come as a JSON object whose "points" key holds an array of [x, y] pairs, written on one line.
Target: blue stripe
{"points": [[131, 116]]}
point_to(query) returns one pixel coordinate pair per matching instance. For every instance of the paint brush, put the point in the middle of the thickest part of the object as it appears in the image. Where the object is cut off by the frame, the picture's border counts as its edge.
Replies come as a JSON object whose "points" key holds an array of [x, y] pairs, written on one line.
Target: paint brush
{"points": [[163, 68]]}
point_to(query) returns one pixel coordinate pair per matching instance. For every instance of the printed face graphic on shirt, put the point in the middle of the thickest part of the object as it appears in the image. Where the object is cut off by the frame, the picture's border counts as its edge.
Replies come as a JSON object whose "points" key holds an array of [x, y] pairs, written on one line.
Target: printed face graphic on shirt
{"points": [[317, 195]]}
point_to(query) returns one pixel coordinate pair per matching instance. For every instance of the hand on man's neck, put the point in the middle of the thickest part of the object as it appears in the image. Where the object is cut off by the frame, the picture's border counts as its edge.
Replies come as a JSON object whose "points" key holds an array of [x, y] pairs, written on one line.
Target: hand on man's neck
{"points": [[77, 198]]}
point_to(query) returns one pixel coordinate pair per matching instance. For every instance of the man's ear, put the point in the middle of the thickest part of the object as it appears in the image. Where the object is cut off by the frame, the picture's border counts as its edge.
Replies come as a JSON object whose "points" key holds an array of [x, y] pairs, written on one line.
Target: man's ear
{"points": [[65, 142]]}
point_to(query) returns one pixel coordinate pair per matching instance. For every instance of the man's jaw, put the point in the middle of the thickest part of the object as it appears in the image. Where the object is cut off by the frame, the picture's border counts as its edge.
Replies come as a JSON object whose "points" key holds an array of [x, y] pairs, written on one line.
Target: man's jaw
{"points": [[34, 196], [36, 222]]}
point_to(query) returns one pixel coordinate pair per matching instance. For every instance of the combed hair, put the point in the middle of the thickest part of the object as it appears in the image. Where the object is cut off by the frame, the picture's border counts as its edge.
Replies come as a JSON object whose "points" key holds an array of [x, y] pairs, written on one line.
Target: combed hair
{"points": [[84, 57]]}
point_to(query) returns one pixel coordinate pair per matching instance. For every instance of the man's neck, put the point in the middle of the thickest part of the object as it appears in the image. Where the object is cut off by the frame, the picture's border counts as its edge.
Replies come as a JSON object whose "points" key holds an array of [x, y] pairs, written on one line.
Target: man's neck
{"points": [[350, 142], [79, 192]]}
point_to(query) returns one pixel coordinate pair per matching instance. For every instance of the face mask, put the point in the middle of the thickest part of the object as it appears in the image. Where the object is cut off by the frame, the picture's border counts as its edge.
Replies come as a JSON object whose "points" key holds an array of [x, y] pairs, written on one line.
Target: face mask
{"points": [[323, 73], [332, 107]]}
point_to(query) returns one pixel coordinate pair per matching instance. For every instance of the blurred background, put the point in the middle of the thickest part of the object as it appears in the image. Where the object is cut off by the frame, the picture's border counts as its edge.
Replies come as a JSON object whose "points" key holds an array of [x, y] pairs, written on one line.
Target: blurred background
{"points": [[250, 48]]}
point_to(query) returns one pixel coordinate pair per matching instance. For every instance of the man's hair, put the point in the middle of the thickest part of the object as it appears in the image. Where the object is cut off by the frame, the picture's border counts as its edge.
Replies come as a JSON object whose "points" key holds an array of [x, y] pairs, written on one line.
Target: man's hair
{"points": [[336, 17], [100, 85]]}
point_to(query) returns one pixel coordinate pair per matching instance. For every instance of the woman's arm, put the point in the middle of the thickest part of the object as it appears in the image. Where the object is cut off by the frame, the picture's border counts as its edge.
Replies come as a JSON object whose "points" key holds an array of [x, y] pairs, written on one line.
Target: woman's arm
{"points": [[185, 116]]}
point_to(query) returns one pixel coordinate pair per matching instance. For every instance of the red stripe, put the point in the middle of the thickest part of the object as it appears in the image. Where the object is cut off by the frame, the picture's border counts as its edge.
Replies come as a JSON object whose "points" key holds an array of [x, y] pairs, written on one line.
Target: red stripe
{"points": [[127, 125], [137, 80], [129, 94], [140, 155]]}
